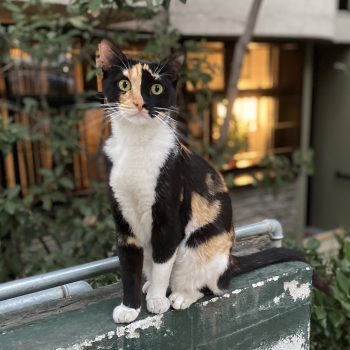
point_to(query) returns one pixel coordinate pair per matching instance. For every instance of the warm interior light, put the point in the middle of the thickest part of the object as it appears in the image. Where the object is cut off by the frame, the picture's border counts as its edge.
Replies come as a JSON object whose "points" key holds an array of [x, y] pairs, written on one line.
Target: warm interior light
{"points": [[254, 120], [246, 112]]}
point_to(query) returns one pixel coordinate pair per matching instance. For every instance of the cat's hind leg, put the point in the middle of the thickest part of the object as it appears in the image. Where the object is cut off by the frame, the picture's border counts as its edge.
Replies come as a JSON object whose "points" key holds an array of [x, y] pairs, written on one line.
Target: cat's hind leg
{"points": [[192, 273]]}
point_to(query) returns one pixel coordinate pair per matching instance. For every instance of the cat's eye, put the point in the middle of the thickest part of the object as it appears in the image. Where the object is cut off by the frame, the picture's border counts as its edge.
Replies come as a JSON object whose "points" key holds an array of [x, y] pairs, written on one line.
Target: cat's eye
{"points": [[124, 85], [157, 89]]}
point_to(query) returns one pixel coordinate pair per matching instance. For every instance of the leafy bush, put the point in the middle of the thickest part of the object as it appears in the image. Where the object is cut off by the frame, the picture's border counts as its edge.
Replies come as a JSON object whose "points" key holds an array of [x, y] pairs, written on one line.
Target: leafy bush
{"points": [[330, 321], [49, 227]]}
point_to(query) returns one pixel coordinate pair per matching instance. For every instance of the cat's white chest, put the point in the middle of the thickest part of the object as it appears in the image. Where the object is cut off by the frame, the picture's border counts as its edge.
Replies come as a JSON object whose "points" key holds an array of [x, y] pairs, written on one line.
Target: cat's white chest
{"points": [[137, 156]]}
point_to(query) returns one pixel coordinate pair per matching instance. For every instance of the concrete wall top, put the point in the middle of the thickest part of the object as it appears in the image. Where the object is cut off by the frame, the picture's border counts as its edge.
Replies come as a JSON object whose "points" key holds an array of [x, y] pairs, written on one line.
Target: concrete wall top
{"points": [[305, 19], [266, 309]]}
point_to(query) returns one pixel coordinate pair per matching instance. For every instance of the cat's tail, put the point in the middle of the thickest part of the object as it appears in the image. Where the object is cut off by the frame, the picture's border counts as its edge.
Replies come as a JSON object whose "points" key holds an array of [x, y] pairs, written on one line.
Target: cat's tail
{"points": [[247, 263]]}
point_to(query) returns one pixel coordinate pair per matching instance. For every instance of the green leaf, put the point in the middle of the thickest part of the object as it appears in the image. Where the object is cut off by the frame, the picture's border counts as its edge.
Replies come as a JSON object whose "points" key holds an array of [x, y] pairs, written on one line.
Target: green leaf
{"points": [[47, 203], [91, 73], [10, 207], [11, 6], [343, 282], [346, 250], [346, 306], [95, 5], [66, 183], [13, 192], [46, 172], [336, 317], [78, 21], [320, 312], [313, 244], [345, 266]]}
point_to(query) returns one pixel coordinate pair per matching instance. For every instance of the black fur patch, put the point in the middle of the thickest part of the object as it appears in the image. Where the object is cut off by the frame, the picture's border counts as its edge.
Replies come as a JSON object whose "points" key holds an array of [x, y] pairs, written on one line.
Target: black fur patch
{"points": [[167, 231]]}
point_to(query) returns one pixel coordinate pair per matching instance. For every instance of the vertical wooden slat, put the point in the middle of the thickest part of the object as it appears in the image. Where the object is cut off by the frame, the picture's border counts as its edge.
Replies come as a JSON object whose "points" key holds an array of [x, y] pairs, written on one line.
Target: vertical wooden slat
{"points": [[99, 76], [9, 160], [21, 162], [45, 155], [28, 150], [79, 88]]}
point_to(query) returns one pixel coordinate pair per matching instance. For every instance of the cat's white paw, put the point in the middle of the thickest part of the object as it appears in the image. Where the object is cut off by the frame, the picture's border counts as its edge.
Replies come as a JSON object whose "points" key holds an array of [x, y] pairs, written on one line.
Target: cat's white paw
{"points": [[158, 305], [182, 300], [146, 287], [124, 314]]}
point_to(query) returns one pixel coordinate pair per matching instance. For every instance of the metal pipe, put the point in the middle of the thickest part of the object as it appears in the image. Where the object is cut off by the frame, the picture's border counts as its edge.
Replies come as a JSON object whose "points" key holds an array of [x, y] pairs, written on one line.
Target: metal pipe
{"points": [[33, 299], [269, 226], [56, 278]]}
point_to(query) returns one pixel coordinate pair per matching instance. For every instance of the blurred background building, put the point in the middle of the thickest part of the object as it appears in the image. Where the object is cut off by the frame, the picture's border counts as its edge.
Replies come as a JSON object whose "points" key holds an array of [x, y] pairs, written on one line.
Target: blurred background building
{"points": [[293, 95]]}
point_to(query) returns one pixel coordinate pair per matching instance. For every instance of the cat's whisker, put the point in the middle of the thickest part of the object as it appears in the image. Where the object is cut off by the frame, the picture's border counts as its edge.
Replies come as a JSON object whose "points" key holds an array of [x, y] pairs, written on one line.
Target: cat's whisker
{"points": [[177, 122], [161, 68], [173, 109], [120, 67], [167, 123]]}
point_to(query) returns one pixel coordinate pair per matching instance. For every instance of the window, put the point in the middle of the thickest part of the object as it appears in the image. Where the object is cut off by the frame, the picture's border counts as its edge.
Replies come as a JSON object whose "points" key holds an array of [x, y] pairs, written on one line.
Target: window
{"points": [[210, 59], [267, 111]]}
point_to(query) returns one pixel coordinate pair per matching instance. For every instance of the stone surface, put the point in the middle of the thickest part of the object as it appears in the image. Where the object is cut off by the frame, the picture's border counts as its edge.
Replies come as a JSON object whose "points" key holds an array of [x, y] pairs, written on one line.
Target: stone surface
{"points": [[253, 204], [266, 309]]}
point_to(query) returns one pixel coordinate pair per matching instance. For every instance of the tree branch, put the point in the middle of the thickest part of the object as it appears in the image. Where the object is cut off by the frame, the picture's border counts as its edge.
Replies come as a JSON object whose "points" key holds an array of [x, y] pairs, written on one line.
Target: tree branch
{"points": [[236, 64]]}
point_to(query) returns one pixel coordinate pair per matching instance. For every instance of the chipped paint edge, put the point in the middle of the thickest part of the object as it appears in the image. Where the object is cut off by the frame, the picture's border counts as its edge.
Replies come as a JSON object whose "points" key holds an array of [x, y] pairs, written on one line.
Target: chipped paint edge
{"points": [[296, 341], [129, 331], [296, 292]]}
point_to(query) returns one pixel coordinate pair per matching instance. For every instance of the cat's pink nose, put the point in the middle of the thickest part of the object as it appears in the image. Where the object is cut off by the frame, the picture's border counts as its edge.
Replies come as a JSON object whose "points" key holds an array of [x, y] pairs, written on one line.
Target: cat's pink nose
{"points": [[139, 105]]}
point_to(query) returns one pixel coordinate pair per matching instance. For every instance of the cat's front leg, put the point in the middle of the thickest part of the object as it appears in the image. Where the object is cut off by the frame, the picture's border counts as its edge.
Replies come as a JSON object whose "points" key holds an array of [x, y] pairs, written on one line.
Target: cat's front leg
{"points": [[165, 240], [131, 258], [157, 302]]}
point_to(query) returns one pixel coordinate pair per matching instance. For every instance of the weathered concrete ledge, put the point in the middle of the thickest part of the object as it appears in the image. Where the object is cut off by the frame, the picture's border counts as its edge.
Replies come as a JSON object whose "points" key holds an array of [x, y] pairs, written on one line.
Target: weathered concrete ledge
{"points": [[268, 309]]}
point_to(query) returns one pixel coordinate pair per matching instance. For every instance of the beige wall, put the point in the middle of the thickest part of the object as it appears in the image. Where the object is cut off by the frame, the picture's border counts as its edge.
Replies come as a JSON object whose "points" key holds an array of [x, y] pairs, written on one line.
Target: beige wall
{"points": [[342, 27], [306, 19]]}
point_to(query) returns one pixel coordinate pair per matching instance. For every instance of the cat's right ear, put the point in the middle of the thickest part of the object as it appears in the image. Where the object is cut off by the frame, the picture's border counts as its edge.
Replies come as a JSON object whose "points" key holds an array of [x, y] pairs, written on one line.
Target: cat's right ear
{"points": [[110, 55]]}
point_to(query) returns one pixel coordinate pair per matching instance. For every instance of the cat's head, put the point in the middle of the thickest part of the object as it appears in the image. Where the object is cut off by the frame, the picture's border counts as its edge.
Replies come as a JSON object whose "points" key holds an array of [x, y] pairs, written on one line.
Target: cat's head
{"points": [[136, 90]]}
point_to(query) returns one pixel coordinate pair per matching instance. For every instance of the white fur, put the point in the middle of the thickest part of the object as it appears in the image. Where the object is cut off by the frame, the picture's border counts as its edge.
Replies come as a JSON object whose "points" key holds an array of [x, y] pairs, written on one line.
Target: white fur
{"points": [[156, 300], [124, 314], [184, 300], [190, 273], [145, 287], [138, 152], [158, 305]]}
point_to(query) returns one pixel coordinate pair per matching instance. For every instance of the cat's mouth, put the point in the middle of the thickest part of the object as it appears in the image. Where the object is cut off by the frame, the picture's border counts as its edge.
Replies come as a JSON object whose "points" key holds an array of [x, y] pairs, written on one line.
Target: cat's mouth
{"points": [[138, 117]]}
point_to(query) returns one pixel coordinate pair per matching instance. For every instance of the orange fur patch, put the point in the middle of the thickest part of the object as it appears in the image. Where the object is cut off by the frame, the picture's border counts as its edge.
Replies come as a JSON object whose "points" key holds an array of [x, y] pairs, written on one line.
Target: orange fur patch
{"points": [[214, 188], [203, 212], [219, 244], [129, 240], [134, 74]]}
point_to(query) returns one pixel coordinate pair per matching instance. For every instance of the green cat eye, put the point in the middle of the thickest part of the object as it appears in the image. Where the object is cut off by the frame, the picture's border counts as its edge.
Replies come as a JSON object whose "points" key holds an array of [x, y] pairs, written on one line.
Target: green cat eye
{"points": [[124, 85], [157, 89]]}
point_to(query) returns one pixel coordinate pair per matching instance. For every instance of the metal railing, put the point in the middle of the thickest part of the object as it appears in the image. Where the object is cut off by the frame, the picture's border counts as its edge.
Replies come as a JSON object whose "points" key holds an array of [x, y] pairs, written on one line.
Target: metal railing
{"points": [[58, 278]]}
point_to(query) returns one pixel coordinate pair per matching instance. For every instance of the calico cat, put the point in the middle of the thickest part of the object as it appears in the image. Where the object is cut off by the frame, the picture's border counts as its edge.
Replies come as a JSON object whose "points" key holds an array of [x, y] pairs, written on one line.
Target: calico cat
{"points": [[172, 210]]}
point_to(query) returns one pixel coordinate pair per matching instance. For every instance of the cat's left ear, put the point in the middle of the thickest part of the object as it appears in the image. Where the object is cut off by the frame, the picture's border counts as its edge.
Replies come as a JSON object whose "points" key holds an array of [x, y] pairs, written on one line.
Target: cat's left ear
{"points": [[173, 65], [110, 55]]}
